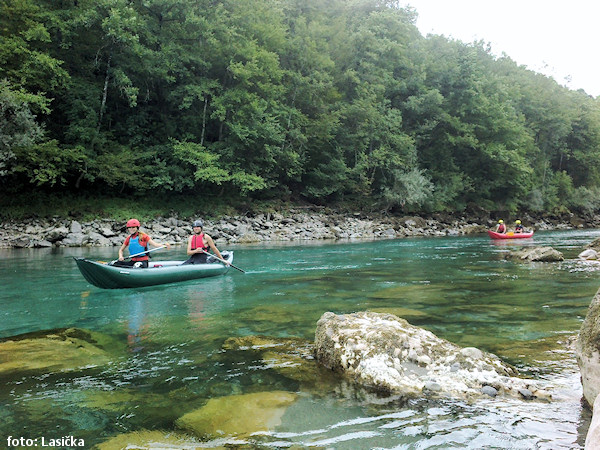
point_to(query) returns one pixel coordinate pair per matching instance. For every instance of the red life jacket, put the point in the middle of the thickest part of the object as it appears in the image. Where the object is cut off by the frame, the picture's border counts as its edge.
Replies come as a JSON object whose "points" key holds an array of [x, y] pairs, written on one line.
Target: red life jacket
{"points": [[198, 242], [501, 228]]}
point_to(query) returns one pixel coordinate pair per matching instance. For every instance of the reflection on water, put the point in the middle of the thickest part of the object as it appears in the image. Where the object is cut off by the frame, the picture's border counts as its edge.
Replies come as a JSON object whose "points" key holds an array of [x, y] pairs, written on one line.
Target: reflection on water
{"points": [[168, 352]]}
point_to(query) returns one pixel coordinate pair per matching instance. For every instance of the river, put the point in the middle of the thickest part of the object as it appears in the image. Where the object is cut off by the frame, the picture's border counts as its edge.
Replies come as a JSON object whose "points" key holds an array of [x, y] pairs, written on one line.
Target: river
{"points": [[173, 358]]}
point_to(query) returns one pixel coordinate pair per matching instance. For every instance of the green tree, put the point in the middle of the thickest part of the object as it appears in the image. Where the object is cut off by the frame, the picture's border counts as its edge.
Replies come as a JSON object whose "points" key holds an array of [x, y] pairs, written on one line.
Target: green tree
{"points": [[18, 127]]}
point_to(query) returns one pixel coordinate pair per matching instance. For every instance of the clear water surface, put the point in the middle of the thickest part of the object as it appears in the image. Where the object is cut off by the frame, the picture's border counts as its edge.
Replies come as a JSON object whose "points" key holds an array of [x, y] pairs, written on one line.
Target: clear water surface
{"points": [[460, 288]]}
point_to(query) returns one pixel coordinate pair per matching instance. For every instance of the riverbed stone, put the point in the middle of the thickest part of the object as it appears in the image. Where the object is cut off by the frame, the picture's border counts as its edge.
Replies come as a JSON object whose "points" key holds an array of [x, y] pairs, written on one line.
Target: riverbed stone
{"points": [[237, 415], [386, 353], [292, 366], [151, 439], [124, 401], [489, 390], [291, 357], [263, 343], [52, 351], [526, 394]]}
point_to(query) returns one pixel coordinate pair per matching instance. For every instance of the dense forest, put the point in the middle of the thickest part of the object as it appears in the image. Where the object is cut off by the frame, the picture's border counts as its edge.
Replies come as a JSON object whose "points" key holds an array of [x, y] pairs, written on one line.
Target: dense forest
{"points": [[296, 100]]}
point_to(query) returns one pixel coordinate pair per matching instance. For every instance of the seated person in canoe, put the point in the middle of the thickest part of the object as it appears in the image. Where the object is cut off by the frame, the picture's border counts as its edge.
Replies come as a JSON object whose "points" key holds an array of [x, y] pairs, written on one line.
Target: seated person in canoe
{"points": [[518, 227], [501, 228], [198, 245], [137, 242]]}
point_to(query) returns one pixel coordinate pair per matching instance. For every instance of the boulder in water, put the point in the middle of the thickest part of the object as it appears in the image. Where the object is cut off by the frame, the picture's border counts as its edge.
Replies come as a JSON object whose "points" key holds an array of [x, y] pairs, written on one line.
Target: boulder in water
{"points": [[386, 353], [539, 254], [237, 415]]}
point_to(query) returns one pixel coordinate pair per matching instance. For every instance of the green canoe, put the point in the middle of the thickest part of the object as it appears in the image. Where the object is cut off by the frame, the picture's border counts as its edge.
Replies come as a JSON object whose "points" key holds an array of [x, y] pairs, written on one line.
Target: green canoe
{"points": [[106, 276]]}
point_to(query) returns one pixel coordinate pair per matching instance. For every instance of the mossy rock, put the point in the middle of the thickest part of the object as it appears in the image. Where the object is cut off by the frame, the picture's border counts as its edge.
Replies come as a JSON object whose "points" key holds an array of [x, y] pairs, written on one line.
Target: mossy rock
{"points": [[145, 439], [539, 254], [293, 367], [125, 401], [52, 351], [237, 415]]}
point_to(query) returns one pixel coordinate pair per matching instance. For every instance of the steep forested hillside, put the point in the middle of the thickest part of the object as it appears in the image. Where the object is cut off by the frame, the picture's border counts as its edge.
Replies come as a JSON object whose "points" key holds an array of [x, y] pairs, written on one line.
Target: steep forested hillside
{"points": [[282, 99]]}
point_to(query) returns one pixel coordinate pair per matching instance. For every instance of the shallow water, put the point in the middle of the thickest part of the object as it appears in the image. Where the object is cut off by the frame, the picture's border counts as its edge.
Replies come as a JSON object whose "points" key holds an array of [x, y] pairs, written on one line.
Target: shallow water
{"points": [[171, 338]]}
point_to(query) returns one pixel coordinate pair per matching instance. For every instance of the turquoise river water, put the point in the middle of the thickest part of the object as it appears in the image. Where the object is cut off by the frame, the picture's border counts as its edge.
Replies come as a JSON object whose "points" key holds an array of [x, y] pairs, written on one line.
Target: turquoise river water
{"points": [[172, 359]]}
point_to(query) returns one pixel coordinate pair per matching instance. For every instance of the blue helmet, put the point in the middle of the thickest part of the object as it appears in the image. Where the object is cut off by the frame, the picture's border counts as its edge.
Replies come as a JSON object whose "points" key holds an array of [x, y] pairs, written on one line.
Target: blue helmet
{"points": [[198, 223]]}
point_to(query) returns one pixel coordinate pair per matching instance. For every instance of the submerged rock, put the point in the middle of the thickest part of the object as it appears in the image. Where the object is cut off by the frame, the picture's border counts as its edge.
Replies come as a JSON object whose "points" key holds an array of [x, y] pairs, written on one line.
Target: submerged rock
{"points": [[388, 354], [261, 343], [146, 439], [127, 401], [292, 366], [56, 350], [291, 357], [237, 415], [540, 254]]}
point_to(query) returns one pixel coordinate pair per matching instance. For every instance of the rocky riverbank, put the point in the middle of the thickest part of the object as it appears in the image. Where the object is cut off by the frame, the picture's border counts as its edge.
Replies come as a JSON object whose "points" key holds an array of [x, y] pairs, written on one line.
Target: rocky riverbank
{"points": [[292, 225]]}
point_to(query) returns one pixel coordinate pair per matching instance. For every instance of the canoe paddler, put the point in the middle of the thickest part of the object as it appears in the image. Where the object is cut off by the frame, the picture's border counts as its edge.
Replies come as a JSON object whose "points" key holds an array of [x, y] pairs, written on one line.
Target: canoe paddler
{"points": [[136, 242], [501, 228], [518, 227], [198, 245]]}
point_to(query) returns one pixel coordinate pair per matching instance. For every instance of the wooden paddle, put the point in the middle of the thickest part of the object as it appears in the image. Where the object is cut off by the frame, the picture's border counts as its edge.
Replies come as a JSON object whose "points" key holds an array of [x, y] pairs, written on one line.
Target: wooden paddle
{"points": [[223, 261]]}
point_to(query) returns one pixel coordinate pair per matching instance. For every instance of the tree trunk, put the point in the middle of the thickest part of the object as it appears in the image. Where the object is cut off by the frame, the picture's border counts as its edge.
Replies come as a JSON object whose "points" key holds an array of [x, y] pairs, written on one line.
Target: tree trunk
{"points": [[203, 122], [105, 92], [81, 175]]}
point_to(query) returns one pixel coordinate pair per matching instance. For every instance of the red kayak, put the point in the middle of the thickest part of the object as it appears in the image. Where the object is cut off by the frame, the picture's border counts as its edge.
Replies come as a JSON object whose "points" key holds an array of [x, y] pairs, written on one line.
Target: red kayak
{"points": [[509, 235]]}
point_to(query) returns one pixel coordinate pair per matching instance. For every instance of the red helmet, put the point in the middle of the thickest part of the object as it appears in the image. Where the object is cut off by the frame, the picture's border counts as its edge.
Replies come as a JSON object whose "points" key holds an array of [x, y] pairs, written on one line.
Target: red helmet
{"points": [[133, 223]]}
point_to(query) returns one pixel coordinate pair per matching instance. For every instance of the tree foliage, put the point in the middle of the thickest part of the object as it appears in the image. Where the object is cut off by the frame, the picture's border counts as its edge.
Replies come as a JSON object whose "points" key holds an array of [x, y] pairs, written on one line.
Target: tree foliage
{"points": [[282, 99]]}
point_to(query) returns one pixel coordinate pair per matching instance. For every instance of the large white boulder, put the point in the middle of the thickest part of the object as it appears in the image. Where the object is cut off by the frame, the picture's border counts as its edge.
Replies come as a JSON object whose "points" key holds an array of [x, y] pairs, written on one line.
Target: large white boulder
{"points": [[386, 353]]}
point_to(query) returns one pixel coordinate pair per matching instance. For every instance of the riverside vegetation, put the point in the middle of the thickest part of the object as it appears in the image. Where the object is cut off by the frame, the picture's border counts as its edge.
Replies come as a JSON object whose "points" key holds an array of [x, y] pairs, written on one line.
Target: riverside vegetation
{"points": [[298, 100]]}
